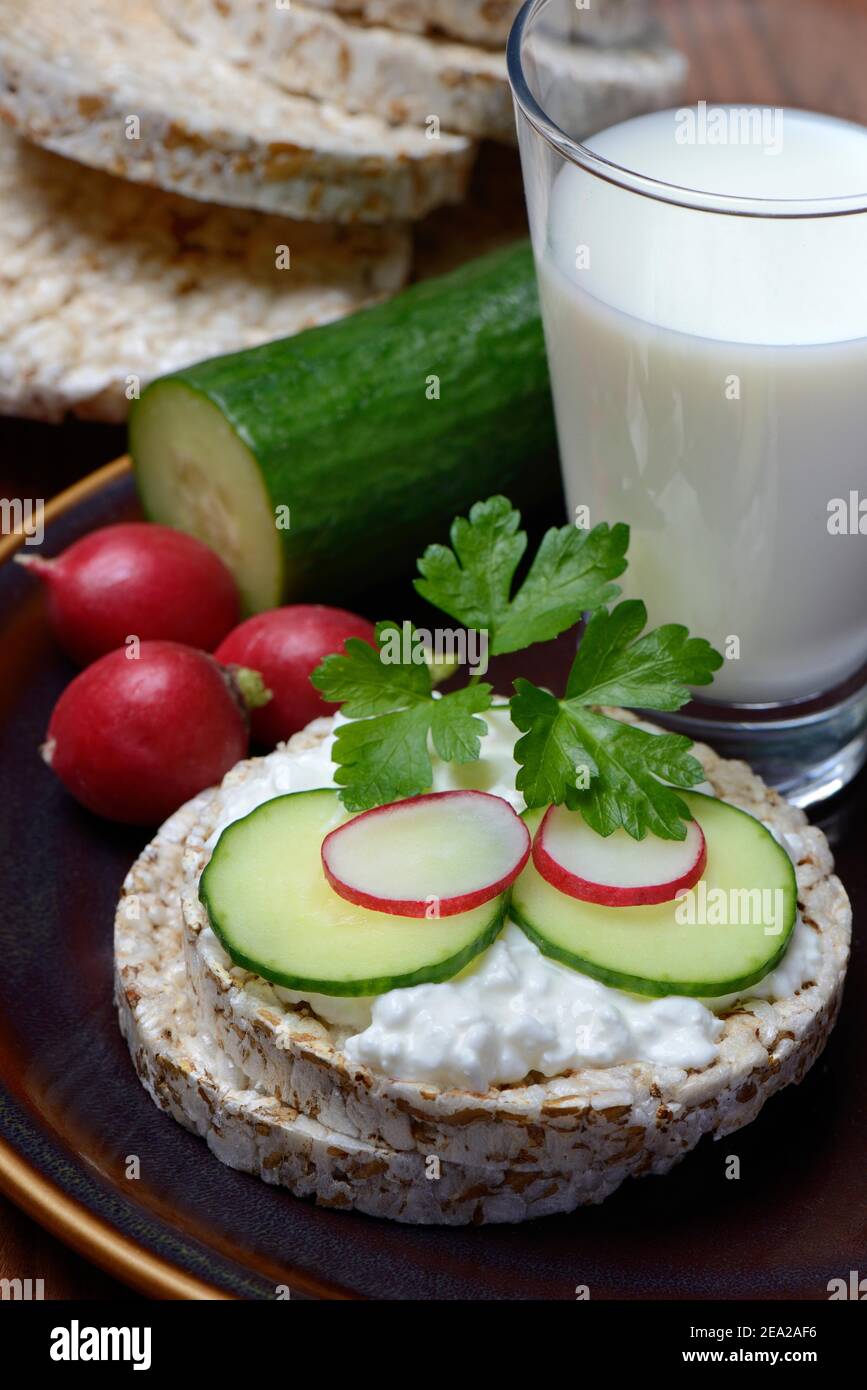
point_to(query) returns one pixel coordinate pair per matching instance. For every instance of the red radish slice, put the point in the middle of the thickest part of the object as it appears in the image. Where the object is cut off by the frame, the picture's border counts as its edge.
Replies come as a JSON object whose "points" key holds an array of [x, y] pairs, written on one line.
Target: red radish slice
{"points": [[615, 870], [428, 856]]}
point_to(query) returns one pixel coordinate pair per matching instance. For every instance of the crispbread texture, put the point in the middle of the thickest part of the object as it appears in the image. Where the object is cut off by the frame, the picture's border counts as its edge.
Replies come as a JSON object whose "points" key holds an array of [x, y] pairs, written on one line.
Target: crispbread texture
{"points": [[404, 77], [401, 77], [489, 21], [107, 283], [85, 77], [632, 1118], [187, 1073]]}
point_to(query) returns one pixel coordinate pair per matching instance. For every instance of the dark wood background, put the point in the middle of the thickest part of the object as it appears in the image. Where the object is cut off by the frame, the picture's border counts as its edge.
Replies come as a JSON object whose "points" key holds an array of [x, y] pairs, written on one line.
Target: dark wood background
{"points": [[810, 53]]}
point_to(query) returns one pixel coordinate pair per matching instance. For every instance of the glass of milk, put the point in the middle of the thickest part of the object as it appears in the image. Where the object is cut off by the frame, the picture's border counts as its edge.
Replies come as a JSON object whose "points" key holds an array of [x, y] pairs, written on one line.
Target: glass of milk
{"points": [[703, 279]]}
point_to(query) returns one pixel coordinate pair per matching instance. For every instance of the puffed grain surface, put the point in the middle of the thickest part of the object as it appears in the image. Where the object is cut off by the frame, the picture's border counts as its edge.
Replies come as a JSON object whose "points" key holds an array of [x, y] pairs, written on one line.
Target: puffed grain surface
{"points": [[549, 1144], [117, 88], [489, 21], [106, 284], [407, 77]]}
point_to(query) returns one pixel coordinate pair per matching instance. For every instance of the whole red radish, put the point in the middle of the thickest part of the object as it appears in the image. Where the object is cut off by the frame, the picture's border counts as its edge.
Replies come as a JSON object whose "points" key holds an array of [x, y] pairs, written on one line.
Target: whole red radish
{"points": [[133, 738], [136, 579], [286, 645]]}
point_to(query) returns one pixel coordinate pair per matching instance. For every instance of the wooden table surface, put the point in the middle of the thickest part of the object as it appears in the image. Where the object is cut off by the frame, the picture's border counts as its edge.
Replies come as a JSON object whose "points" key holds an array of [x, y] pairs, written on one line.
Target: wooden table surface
{"points": [[777, 52]]}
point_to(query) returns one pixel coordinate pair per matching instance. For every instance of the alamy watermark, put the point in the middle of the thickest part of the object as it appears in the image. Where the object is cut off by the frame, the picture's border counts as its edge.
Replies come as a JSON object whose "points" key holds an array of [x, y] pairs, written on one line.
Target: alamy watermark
{"points": [[22, 1290], [732, 907], [854, 1288], [77, 1343], [847, 516], [761, 126], [23, 517], [419, 646]]}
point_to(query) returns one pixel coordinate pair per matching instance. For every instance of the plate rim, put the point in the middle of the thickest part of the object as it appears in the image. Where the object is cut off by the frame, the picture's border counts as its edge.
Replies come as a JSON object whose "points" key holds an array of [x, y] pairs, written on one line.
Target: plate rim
{"points": [[69, 498], [29, 1189], [94, 1238]]}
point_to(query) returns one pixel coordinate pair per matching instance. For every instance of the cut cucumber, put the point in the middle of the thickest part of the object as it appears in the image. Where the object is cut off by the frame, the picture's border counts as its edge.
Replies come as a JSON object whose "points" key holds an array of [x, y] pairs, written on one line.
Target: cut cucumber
{"points": [[647, 949], [272, 908], [371, 433]]}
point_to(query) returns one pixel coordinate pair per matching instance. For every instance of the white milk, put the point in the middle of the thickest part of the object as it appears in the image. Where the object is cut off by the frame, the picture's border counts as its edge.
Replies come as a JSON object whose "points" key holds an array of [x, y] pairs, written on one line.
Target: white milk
{"points": [[710, 384]]}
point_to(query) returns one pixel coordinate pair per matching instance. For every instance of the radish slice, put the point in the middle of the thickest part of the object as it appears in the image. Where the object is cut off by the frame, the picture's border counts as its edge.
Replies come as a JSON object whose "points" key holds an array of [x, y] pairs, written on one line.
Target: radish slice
{"points": [[428, 856], [615, 870]]}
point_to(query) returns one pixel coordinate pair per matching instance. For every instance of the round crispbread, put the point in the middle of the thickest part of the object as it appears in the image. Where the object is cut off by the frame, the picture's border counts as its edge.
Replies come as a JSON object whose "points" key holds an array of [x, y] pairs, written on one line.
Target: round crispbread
{"points": [[187, 1073], [399, 76], [134, 282], [489, 21], [409, 78], [631, 1117], [119, 89]]}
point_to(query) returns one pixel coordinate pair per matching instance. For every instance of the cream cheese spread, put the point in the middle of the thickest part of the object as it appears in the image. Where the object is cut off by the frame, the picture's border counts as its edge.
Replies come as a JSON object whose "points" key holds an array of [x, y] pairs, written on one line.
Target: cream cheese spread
{"points": [[513, 1010]]}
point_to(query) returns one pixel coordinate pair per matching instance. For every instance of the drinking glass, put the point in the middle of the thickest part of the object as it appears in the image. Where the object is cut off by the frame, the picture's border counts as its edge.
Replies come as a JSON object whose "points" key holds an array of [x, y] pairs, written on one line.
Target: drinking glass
{"points": [[702, 269]]}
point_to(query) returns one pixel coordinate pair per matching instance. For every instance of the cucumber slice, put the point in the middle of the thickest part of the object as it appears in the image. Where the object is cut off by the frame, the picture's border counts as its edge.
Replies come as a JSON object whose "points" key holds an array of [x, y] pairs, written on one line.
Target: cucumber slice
{"points": [[272, 908], [200, 477], [320, 461], [652, 949]]}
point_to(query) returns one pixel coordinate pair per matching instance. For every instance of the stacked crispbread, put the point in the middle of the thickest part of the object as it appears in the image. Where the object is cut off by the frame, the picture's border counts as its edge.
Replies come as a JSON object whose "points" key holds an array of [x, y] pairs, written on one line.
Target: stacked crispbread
{"points": [[341, 123], [270, 1087], [411, 78], [489, 21], [104, 283]]}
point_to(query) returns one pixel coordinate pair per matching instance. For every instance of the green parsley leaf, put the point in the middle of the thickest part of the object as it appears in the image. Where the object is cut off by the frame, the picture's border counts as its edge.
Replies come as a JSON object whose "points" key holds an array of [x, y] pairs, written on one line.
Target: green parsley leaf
{"points": [[570, 574], [551, 753], [383, 753], [571, 752], [454, 728], [615, 665], [366, 684], [383, 759]]}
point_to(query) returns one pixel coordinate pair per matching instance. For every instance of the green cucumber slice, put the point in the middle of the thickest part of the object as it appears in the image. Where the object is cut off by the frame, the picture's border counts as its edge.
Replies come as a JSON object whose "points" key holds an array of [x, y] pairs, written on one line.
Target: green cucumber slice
{"points": [[272, 908], [199, 476], [317, 462], [648, 950]]}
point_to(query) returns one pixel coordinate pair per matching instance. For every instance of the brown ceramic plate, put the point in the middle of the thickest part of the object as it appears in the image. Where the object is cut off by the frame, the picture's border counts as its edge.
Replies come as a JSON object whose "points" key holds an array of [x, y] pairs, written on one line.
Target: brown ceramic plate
{"points": [[72, 1110]]}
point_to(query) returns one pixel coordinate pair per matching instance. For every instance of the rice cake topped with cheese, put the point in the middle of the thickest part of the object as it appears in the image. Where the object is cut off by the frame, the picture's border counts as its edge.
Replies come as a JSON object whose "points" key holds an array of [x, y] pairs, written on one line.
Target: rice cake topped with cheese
{"points": [[188, 1074], [585, 1130]]}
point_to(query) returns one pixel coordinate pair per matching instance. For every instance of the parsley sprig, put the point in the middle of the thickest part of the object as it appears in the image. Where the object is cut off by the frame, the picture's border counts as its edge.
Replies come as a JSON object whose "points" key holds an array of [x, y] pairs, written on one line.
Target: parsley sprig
{"points": [[383, 754], [472, 581], [571, 751]]}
